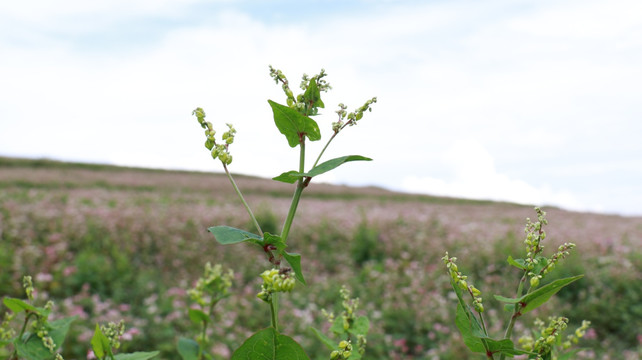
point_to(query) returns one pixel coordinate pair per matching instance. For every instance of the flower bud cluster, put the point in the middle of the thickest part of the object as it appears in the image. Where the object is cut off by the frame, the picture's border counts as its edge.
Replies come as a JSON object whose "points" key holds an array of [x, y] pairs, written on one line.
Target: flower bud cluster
{"points": [[218, 151], [535, 234], [322, 85], [575, 337], [41, 329], [212, 286], [350, 306], [344, 351], [548, 336], [113, 332], [274, 281], [27, 284], [6, 331], [562, 252], [352, 117], [459, 280], [278, 76], [299, 102]]}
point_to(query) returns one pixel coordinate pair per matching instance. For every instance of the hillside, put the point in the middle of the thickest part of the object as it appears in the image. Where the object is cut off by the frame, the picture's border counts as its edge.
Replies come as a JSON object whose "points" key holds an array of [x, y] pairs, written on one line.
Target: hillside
{"points": [[101, 237]]}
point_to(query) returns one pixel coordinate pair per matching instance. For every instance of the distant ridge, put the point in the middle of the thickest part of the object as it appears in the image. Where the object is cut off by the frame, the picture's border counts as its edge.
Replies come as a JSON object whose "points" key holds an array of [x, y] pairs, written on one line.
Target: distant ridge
{"points": [[269, 186]]}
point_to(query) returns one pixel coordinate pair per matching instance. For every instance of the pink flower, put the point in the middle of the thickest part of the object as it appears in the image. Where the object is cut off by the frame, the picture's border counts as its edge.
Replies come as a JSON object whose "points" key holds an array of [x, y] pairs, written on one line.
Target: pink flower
{"points": [[44, 277]]}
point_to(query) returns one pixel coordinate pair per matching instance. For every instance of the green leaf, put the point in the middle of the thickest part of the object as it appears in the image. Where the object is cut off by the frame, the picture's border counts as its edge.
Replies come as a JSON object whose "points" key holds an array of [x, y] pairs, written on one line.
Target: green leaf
{"points": [[504, 346], [268, 344], [269, 239], [228, 235], [30, 346], [540, 296], [468, 327], [136, 356], [518, 263], [295, 261], [187, 349], [360, 326], [313, 95], [291, 177], [325, 340], [337, 326], [293, 124], [507, 300], [569, 355], [17, 305], [197, 316], [331, 164], [100, 343], [541, 263]]}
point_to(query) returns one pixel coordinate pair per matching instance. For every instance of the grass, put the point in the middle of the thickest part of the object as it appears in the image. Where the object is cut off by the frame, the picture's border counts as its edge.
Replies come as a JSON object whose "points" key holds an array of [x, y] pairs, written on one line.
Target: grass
{"points": [[107, 243]]}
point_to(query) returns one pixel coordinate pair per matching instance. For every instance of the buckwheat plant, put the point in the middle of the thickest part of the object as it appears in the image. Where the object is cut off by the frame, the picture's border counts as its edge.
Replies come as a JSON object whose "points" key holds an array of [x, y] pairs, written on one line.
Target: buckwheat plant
{"points": [[546, 341], [211, 288], [295, 121], [106, 340], [350, 328], [41, 339], [38, 337]]}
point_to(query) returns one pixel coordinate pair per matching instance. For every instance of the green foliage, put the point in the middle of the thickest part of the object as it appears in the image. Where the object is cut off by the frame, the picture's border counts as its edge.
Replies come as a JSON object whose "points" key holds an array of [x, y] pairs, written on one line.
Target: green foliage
{"points": [[534, 267], [366, 245]]}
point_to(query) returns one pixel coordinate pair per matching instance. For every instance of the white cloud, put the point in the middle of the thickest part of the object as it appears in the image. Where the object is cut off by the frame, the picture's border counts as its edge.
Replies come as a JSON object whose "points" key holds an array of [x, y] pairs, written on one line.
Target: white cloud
{"points": [[517, 80], [474, 176]]}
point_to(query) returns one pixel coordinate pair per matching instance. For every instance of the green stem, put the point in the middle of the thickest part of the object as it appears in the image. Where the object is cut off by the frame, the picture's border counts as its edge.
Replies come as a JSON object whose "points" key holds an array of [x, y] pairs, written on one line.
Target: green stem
{"points": [[297, 195], [325, 147], [515, 315], [202, 344], [28, 315], [274, 311], [240, 195]]}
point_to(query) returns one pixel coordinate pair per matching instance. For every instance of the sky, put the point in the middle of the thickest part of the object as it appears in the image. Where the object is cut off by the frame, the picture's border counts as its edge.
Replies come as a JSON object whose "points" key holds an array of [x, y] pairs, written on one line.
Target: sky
{"points": [[534, 102]]}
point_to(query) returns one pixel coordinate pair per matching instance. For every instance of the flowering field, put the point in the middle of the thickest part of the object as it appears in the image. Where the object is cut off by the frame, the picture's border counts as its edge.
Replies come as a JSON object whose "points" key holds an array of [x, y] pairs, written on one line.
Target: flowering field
{"points": [[108, 243]]}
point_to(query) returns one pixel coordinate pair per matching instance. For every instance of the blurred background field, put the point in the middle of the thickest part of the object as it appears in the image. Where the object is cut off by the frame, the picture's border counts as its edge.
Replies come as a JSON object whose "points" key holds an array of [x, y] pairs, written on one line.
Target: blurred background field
{"points": [[108, 243]]}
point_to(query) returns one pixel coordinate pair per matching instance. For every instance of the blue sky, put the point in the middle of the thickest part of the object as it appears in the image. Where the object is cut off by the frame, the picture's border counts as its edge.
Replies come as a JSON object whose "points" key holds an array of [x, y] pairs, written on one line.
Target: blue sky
{"points": [[535, 102]]}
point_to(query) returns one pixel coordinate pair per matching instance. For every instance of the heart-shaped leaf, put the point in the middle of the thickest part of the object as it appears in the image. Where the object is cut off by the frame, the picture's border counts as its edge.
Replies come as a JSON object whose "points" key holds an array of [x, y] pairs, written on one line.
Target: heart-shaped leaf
{"points": [[293, 124], [268, 344], [361, 326], [187, 349], [30, 346], [197, 316]]}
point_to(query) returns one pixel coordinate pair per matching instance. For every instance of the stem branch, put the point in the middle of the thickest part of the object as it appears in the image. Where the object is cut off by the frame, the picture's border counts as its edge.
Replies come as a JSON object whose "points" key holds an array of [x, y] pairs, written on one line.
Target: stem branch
{"points": [[325, 147], [240, 195]]}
